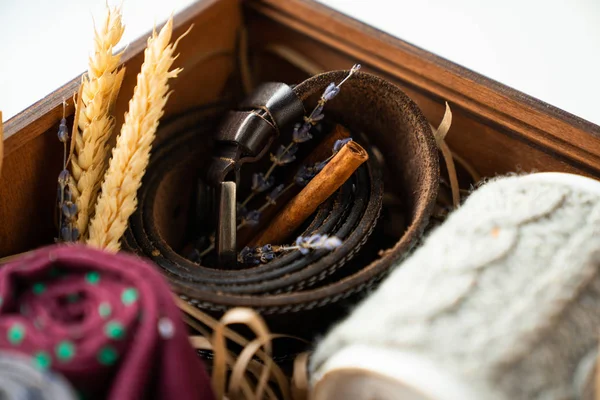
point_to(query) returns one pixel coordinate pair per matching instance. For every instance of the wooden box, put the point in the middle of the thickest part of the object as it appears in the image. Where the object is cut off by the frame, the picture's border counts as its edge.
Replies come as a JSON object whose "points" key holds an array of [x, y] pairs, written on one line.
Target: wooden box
{"points": [[496, 128]]}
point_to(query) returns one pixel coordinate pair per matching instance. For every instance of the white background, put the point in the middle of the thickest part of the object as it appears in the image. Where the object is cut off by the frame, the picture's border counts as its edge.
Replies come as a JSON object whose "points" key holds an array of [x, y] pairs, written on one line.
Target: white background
{"points": [[549, 49], [46, 43]]}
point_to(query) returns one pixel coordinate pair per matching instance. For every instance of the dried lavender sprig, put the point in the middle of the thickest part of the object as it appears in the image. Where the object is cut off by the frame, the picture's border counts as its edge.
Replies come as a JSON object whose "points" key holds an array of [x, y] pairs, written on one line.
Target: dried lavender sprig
{"points": [[337, 146], [63, 180], [301, 133], [274, 195], [63, 137], [264, 254], [69, 231], [262, 182], [314, 242], [303, 176], [67, 210], [252, 218], [306, 173]]}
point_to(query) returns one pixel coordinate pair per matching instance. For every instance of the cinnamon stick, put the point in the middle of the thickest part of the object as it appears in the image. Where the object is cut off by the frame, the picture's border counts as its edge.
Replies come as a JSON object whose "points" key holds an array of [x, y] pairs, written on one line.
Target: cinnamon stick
{"points": [[323, 150], [320, 153], [324, 184]]}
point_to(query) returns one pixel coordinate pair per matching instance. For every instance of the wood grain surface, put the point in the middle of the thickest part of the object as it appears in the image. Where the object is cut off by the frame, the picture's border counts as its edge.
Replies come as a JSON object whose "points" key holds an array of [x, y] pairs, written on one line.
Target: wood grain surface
{"points": [[329, 37], [497, 129], [33, 155]]}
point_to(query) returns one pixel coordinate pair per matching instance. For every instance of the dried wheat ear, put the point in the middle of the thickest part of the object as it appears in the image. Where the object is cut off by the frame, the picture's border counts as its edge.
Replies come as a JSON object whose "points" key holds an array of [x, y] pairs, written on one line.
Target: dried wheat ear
{"points": [[117, 200], [99, 89]]}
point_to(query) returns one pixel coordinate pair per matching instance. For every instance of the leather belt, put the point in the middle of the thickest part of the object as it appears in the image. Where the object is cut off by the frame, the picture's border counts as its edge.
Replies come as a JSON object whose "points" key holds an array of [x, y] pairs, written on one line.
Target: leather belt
{"points": [[245, 136], [296, 294]]}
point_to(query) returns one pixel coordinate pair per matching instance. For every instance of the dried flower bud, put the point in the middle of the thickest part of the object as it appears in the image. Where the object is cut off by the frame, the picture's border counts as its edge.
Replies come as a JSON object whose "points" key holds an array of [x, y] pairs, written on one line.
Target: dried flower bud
{"points": [[317, 113], [315, 242], [337, 146], [303, 176], [69, 209], [311, 240], [260, 184], [256, 255], [306, 174], [332, 243], [65, 234], [247, 256], [267, 248], [330, 92], [67, 195], [330, 95], [303, 242], [64, 177], [266, 257], [69, 234], [251, 218], [301, 133], [275, 193], [63, 131], [316, 118], [304, 250], [284, 155]]}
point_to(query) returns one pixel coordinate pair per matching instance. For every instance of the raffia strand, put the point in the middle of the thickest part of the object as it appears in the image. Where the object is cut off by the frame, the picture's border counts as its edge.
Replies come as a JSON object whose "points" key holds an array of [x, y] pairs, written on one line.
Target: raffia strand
{"points": [[117, 200]]}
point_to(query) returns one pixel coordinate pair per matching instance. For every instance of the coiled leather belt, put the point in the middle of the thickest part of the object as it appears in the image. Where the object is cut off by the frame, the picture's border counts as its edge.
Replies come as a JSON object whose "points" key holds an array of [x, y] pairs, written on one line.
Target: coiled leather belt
{"points": [[294, 287]]}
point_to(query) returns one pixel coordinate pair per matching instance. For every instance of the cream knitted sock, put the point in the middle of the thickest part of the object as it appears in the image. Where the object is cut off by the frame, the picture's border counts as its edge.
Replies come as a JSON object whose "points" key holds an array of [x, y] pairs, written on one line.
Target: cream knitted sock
{"points": [[501, 302]]}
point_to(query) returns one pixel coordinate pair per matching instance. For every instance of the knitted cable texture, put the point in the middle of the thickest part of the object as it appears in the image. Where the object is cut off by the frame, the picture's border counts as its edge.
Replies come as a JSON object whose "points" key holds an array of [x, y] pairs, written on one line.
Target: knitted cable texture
{"points": [[505, 295]]}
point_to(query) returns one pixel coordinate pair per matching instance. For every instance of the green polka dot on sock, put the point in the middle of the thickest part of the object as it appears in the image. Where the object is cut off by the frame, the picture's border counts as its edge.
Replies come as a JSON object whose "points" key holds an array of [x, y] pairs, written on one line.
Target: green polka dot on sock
{"points": [[92, 277], [42, 360], [104, 310], [1, 301], [114, 330], [107, 355], [16, 334], [129, 296], [39, 288], [65, 350]]}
